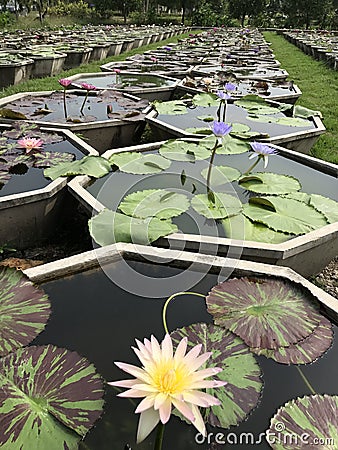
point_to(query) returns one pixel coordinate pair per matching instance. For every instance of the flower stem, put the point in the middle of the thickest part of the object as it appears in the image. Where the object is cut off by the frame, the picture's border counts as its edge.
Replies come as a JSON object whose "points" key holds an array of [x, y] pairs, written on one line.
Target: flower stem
{"points": [[159, 436], [219, 112], [84, 101], [306, 381], [64, 103], [224, 110], [213, 152], [165, 306], [253, 165]]}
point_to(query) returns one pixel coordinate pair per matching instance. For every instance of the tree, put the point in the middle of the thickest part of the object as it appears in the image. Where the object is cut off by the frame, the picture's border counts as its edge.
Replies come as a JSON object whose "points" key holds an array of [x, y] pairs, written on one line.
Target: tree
{"points": [[239, 9]]}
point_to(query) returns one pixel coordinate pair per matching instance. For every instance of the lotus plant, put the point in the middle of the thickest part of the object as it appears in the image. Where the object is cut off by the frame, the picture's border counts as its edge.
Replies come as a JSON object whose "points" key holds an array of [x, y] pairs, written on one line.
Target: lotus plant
{"points": [[88, 87], [224, 96], [260, 151], [30, 144], [65, 82], [166, 380]]}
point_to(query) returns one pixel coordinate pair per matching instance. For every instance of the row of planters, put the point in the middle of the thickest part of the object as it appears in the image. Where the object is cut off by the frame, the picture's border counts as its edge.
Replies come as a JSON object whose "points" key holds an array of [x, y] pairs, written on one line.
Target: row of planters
{"points": [[224, 198], [323, 47], [48, 53]]}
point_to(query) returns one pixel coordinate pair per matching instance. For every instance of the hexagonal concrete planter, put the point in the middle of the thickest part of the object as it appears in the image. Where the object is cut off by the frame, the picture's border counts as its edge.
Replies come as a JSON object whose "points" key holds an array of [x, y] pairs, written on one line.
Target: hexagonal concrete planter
{"points": [[307, 254], [144, 85], [255, 73], [12, 73], [30, 216], [102, 133]]}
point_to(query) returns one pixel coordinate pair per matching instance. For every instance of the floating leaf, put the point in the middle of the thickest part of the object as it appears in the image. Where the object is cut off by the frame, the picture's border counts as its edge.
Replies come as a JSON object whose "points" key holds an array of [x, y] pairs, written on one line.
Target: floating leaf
{"points": [[313, 417], [269, 183], [286, 121], [48, 159], [154, 203], [305, 351], [136, 163], [93, 166], [4, 177], [240, 370], [206, 118], [256, 105], [24, 310], [225, 205], [109, 227], [221, 175], [46, 392], [232, 146], [265, 313], [198, 130], [206, 99], [173, 107], [284, 214], [325, 205], [7, 113], [183, 151], [305, 113], [240, 228]]}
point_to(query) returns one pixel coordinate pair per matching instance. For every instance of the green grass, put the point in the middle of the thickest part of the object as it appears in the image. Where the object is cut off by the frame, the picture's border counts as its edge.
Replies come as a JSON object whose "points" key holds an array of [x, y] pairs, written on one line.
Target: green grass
{"points": [[319, 86], [51, 83]]}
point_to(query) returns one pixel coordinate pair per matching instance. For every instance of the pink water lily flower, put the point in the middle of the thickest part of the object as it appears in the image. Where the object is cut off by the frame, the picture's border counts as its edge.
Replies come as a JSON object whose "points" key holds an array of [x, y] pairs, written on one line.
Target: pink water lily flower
{"points": [[166, 380], [65, 82], [88, 87], [117, 70], [30, 144]]}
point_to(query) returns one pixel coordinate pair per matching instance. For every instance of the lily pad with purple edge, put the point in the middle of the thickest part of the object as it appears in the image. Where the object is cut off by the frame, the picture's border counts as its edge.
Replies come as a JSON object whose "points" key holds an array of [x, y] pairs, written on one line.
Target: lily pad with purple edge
{"points": [[306, 351], [265, 312], [304, 422], [241, 371], [49, 398], [48, 159], [24, 310]]}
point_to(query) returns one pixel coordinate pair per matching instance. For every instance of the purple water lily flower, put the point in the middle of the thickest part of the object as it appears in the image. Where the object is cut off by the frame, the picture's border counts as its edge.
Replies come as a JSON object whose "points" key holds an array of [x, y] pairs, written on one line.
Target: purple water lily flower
{"points": [[222, 95], [262, 151], [220, 129], [168, 49], [230, 87]]}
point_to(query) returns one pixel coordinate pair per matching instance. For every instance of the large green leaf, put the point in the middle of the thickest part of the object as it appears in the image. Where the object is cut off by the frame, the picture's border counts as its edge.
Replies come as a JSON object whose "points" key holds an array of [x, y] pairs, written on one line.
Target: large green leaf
{"points": [[173, 107], [206, 99], [241, 228], [287, 121], [221, 175], [284, 214], [325, 205], [240, 370], [307, 422], [24, 310], [225, 205], [232, 146], [136, 163], [154, 203], [94, 166], [109, 227], [46, 392], [183, 151], [305, 351], [265, 313], [269, 183], [305, 113], [256, 105]]}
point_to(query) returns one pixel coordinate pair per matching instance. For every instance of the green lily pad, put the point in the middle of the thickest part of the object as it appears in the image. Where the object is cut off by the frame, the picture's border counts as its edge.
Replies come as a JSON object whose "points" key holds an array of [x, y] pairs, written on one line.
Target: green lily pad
{"points": [[314, 417], [305, 113], [287, 121], [24, 310], [205, 99], [232, 146], [174, 107], [221, 175], [136, 163], [183, 151], [109, 227], [154, 203], [48, 159], [269, 183], [7, 113], [305, 351], [49, 398], [256, 105], [240, 370], [206, 118], [284, 214], [265, 312], [325, 205], [241, 228], [225, 205], [93, 166], [198, 130]]}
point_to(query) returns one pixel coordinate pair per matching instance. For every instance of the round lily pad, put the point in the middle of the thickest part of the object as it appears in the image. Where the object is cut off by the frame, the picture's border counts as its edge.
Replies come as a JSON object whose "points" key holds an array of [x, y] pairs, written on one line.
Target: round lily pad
{"points": [[270, 183], [136, 163], [240, 370], [221, 175], [311, 422], [154, 203], [265, 312], [225, 205], [183, 151], [24, 310]]}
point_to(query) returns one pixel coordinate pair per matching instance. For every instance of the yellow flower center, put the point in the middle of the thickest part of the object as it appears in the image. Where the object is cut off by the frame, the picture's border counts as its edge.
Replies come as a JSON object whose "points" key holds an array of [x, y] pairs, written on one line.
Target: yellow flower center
{"points": [[170, 380]]}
